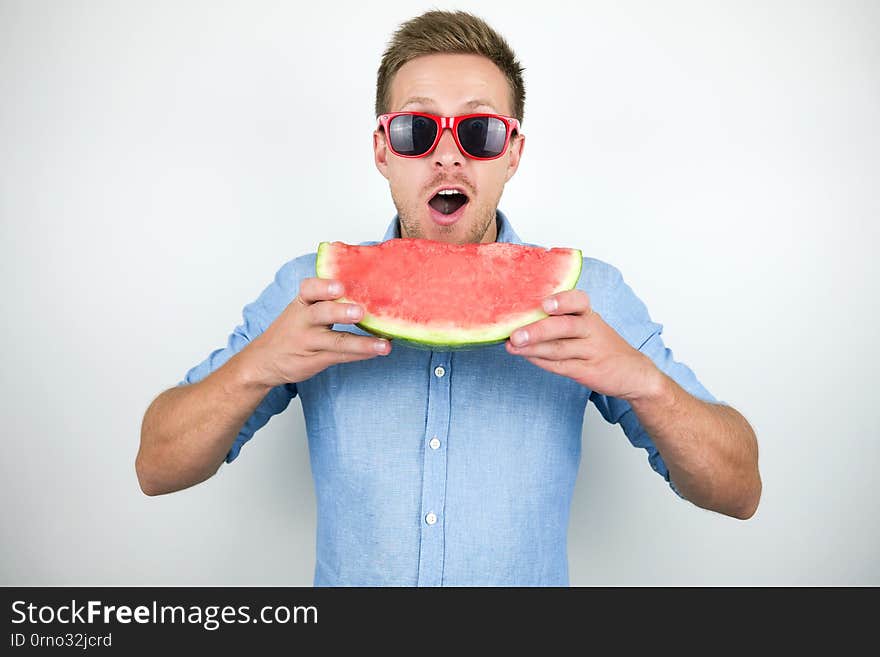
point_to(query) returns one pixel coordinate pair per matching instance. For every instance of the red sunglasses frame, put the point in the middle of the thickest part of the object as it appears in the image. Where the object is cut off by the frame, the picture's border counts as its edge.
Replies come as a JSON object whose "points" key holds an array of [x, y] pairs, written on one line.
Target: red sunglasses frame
{"points": [[452, 123]]}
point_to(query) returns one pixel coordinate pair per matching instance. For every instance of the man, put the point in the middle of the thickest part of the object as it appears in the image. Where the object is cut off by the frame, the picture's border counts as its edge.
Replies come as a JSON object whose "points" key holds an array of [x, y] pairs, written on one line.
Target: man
{"points": [[439, 468]]}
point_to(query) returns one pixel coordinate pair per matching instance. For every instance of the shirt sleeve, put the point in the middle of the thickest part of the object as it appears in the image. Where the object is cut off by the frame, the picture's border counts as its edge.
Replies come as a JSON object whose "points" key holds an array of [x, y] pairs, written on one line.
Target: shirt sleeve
{"points": [[256, 317], [627, 314]]}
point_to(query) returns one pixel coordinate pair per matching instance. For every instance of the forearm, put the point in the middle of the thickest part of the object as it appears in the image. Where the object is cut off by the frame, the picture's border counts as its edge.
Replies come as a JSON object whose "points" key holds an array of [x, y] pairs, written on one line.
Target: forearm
{"points": [[710, 449], [188, 430]]}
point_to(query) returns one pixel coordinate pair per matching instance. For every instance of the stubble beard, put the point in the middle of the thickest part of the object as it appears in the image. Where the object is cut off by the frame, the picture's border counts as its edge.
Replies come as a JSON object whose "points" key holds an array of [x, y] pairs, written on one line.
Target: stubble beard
{"points": [[480, 221]]}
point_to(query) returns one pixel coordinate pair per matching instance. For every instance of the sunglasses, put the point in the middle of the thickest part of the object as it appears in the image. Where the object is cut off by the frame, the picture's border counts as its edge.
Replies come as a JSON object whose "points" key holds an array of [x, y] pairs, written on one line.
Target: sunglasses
{"points": [[479, 136]]}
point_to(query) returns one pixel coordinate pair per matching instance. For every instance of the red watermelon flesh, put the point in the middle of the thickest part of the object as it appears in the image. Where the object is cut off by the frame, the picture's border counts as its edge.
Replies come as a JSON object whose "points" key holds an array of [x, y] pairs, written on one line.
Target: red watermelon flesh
{"points": [[453, 296]]}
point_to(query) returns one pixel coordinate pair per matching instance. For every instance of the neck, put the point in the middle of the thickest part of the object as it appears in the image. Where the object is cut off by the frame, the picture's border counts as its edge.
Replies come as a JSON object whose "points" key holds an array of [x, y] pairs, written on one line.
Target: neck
{"points": [[492, 232]]}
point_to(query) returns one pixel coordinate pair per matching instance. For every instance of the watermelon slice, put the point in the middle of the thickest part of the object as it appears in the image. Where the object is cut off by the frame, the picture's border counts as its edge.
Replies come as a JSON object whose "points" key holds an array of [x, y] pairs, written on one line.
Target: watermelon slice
{"points": [[434, 295]]}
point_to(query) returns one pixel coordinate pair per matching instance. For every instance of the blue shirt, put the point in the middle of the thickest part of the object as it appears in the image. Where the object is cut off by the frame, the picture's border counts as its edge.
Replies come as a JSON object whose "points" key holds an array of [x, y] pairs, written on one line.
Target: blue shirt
{"points": [[448, 468]]}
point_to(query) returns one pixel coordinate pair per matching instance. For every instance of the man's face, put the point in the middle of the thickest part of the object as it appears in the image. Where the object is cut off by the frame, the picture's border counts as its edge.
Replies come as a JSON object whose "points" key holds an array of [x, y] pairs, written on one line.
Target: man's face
{"points": [[450, 82]]}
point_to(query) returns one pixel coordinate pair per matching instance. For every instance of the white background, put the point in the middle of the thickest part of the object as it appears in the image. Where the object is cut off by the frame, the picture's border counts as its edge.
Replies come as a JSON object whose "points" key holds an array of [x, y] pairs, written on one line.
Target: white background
{"points": [[160, 160]]}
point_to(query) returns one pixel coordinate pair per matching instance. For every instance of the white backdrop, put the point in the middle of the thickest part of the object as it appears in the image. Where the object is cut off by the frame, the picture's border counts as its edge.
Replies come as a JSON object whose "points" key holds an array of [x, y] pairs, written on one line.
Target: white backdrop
{"points": [[160, 160]]}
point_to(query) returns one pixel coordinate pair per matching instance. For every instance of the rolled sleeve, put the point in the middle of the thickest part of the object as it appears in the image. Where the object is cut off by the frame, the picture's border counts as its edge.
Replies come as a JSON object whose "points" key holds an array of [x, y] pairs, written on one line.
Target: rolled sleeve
{"points": [[256, 317], [628, 315]]}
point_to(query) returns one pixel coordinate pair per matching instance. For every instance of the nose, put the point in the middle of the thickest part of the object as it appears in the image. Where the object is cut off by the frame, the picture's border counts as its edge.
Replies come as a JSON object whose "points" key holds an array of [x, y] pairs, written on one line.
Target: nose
{"points": [[447, 153]]}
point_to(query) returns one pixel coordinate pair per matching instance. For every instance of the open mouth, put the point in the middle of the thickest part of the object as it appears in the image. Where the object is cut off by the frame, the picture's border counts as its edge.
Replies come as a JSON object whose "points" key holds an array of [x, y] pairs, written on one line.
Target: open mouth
{"points": [[447, 206], [446, 203]]}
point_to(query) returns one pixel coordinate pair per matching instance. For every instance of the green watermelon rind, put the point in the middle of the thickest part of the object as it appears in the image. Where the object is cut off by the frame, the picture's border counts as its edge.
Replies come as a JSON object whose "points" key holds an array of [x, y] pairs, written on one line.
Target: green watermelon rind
{"points": [[456, 339]]}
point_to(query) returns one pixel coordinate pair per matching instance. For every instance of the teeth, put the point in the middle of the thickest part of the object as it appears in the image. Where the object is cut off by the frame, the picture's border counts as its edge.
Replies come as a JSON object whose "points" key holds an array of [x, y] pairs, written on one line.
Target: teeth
{"points": [[448, 192]]}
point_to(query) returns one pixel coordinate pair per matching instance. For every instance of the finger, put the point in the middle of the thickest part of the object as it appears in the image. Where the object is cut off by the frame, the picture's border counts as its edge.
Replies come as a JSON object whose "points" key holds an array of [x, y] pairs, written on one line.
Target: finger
{"points": [[562, 367], [343, 342], [549, 328], [330, 358], [319, 289], [569, 348], [327, 313], [568, 302]]}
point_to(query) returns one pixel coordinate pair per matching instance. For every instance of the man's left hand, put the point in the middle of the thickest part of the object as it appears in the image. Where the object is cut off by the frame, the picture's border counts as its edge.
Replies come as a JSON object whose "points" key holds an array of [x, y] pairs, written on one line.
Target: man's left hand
{"points": [[575, 341]]}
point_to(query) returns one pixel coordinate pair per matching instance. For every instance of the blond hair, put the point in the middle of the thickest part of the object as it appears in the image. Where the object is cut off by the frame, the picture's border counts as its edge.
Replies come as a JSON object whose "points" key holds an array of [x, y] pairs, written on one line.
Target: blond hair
{"points": [[438, 31]]}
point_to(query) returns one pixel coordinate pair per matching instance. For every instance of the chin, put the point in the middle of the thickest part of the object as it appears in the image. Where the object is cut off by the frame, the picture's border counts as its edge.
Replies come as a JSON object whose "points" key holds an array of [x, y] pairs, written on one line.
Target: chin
{"points": [[462, 229]]}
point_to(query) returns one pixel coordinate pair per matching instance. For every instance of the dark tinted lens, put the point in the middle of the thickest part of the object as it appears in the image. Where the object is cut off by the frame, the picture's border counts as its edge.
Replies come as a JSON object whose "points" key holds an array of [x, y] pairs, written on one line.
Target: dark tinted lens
{"points": [[411, 135], [482, 136]]}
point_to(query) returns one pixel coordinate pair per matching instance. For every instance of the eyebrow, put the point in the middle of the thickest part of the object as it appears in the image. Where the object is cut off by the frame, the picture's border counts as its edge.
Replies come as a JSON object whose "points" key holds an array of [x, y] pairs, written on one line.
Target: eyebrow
{"points": [[476, 102]]}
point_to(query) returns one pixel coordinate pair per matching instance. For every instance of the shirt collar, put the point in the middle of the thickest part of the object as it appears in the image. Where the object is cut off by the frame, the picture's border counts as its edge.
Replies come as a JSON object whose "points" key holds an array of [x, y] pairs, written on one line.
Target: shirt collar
{"points": [[505, 230]]}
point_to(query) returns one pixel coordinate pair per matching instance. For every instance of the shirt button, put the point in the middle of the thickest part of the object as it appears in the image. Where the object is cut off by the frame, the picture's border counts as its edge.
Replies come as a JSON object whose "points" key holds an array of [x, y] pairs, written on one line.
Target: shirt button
{"points": [[435, 443], [431, 518], [439, 371]]}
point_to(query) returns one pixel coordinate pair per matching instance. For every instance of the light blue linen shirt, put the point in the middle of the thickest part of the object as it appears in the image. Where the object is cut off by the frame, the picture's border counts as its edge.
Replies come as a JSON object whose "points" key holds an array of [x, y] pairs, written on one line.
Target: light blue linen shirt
{"points": [[448, 468]]}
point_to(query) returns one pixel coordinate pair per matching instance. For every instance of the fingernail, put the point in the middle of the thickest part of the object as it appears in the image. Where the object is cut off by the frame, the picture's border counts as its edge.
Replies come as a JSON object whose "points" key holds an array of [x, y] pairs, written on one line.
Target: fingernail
{"points": [[353, 311], [379, 346], [520, 338], [335, 288], [550, 305]]}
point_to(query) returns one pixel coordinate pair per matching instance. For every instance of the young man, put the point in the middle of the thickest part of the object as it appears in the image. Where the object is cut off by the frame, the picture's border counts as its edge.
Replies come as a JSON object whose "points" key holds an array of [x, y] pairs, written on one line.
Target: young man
{"points": [[439, 468]]}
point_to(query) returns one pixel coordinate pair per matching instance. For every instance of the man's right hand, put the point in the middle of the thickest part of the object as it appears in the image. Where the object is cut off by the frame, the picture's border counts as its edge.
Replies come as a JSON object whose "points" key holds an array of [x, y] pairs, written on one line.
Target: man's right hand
{"points": [[300, 342], [188, 430]]}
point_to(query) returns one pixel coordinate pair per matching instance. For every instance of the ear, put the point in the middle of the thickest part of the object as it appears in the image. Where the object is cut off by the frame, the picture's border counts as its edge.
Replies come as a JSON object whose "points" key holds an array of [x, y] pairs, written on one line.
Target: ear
{"points": [[380, 152], [515, 153]]}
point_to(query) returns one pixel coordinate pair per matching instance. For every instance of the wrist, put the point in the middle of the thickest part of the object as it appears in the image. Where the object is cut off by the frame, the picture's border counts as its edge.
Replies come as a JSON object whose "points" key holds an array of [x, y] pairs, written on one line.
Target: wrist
{"points": [[246, 375], [655, 388]]}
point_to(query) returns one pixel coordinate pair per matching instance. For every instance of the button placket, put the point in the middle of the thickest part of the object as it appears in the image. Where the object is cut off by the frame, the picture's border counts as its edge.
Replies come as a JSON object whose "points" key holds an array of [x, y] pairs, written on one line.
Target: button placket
{"points": [[433, 501]]}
